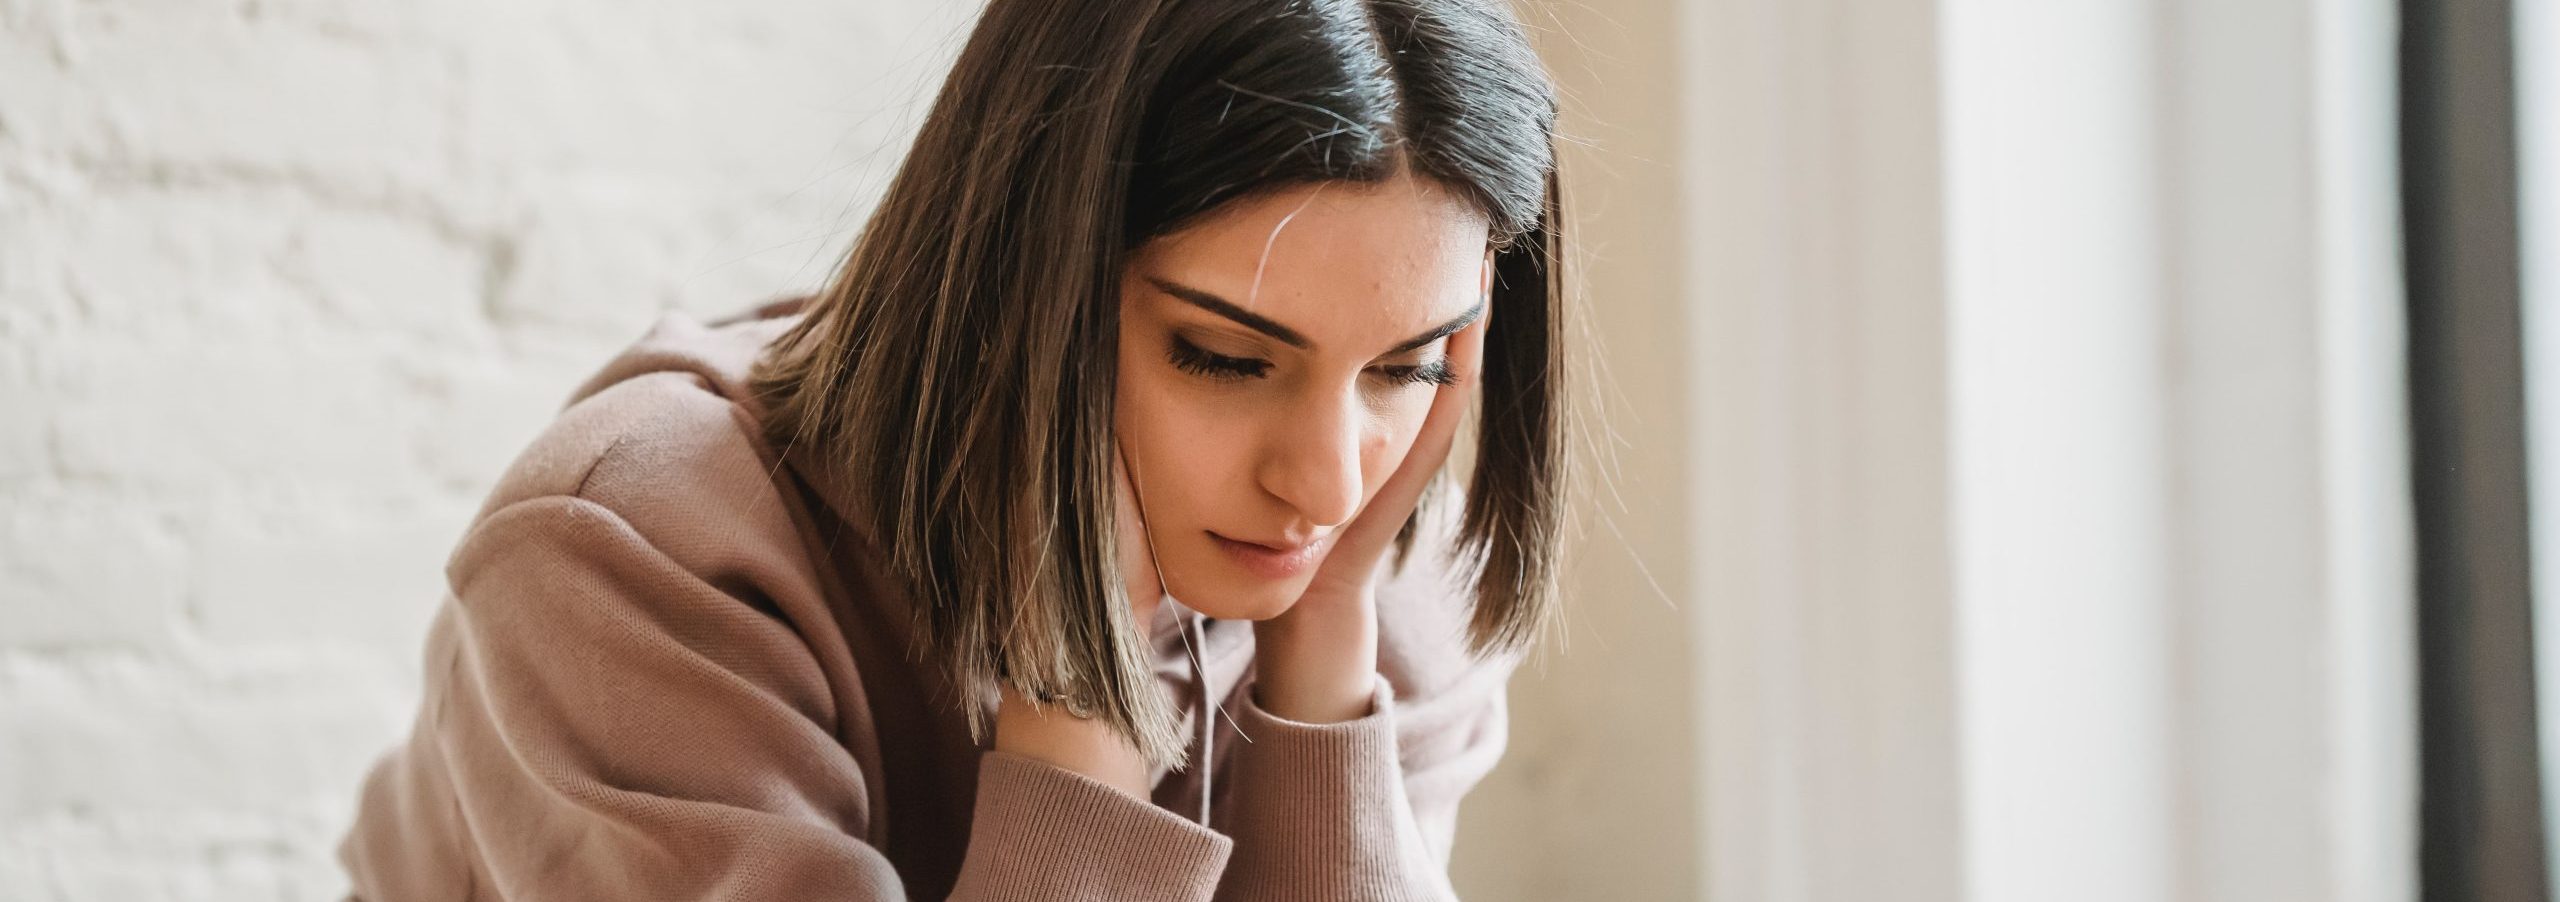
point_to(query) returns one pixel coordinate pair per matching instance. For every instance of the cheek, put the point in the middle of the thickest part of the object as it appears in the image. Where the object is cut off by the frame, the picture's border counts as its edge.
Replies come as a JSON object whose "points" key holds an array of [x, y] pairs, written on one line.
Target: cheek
{"points": [[1197, 461], [1193, 455], [1394, 430]]}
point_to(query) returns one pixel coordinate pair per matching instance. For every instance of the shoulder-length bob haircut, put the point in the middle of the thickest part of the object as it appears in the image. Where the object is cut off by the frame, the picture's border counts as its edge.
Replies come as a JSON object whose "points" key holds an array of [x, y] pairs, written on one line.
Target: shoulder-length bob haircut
{"points": [[959, 367]]}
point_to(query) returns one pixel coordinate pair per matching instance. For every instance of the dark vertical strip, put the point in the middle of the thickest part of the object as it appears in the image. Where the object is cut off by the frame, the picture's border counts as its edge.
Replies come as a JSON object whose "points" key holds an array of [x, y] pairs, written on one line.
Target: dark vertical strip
{"points": [[2480, 821]]}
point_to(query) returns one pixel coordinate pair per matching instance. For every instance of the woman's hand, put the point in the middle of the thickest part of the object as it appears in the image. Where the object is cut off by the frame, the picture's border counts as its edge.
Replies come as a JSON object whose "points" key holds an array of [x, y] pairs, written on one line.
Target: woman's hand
{"points": [[1316, 660], [1049, 733]]}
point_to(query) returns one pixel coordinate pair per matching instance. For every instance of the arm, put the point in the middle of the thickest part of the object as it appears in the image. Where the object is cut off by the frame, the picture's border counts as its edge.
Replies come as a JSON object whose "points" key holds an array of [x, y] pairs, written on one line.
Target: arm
{"points": [[617, 726], [1363, 808]]}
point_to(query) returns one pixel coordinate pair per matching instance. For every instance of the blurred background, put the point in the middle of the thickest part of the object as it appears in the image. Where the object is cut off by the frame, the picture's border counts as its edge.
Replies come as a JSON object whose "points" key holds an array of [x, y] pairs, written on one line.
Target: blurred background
{"points": [[2052, 449]]}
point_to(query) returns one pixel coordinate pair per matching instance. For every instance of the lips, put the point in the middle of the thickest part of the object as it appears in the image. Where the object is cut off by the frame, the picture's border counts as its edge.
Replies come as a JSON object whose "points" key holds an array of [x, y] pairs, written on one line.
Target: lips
{"points": [[1270, 561]]}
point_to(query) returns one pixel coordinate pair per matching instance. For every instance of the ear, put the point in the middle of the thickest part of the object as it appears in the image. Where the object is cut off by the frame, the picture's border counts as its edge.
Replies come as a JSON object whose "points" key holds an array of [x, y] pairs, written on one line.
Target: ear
{"points": [[1484, 279]]}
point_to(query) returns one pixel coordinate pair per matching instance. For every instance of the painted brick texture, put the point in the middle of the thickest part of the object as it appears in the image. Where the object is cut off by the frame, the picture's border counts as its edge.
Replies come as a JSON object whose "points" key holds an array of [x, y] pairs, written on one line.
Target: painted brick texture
{"points": [[284, 284]]}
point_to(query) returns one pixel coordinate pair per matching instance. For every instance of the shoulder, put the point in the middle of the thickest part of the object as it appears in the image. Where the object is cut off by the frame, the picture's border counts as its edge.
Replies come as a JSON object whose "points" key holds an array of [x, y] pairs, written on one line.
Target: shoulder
{"points": [[665, 453], [642, 529]]}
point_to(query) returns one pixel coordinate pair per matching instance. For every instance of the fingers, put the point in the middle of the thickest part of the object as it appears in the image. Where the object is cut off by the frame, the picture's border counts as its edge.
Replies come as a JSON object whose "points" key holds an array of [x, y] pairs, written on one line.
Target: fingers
{"points": [[1395, 500], [1466, 356]]}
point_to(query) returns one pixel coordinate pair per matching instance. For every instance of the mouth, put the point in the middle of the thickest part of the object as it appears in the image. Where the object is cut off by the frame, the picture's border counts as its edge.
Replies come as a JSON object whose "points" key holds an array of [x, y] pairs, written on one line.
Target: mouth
{"points": [[1271, 561]]}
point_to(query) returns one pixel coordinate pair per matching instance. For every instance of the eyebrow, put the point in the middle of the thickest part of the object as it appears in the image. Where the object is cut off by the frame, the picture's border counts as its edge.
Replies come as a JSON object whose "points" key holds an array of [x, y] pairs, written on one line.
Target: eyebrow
{"points": [[1292, 337]]}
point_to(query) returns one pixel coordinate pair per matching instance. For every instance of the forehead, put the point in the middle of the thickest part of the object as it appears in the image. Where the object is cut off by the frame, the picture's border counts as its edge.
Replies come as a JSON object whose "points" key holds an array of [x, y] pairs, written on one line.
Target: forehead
{"points": [[1334, 256]]}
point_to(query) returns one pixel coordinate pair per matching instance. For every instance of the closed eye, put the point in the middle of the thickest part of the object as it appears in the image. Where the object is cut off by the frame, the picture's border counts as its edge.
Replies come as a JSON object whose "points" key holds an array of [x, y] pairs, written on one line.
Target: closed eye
{"points": [[1199, 361], [1196, 360], [1436, 372]]}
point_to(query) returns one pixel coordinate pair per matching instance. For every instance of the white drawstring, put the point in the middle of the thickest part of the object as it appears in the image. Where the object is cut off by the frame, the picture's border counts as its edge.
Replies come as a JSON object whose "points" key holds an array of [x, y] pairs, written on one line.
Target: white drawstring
{"points": [[1195, 636], [1207, 710]]}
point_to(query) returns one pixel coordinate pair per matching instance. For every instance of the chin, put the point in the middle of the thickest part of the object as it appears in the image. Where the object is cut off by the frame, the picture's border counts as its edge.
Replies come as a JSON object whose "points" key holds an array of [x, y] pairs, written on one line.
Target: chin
{"points": [[1242, 598]]}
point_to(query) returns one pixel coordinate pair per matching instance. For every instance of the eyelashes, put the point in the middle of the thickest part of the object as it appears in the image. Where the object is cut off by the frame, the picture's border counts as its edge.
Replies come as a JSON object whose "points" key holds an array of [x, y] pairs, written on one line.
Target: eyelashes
{"points": [[1198, 361], [1436, 372]]}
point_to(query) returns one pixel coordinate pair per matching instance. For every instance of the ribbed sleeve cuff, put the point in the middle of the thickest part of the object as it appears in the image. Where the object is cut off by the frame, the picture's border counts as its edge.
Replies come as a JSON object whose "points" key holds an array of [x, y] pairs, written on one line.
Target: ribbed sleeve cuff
{"points": [[1047, 833], [1319, 810], [1321, 749]]}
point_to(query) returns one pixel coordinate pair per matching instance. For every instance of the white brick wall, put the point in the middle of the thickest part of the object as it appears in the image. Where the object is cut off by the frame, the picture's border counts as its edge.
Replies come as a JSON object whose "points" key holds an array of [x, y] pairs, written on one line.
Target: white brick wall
{"points": [[283, 285]]}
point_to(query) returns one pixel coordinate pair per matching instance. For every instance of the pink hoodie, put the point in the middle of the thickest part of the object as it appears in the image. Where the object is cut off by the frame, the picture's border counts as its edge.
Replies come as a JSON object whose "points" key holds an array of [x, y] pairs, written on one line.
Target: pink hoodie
{"points": [[666, 669]]}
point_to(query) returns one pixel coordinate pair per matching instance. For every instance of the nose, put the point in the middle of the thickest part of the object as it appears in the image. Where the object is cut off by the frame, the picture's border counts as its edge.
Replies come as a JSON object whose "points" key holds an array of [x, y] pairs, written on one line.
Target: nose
{"points": [[1313, 464]]}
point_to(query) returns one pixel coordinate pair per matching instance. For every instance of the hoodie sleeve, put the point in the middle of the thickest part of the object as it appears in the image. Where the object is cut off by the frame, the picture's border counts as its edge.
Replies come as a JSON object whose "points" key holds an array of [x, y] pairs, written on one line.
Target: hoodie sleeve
{"points": [[616, 726]]}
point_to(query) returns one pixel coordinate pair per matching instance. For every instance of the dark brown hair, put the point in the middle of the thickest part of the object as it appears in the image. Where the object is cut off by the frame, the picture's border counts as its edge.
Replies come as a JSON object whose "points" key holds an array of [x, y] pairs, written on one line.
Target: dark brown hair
{"points": [[959, 369]]}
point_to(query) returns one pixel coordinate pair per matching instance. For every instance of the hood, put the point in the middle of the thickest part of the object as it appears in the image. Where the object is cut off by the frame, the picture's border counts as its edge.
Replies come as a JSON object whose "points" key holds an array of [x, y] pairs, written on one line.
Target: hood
{"points": [[722, 350]]}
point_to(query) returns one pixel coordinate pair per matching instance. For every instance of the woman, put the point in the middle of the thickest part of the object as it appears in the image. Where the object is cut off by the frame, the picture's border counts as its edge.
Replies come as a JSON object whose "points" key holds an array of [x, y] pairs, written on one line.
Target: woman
{"points": [[1167, 322]]}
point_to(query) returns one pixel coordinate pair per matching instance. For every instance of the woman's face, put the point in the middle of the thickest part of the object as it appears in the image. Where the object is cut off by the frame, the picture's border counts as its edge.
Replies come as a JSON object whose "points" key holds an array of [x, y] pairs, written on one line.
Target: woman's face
{"points": [[1277, 358]]}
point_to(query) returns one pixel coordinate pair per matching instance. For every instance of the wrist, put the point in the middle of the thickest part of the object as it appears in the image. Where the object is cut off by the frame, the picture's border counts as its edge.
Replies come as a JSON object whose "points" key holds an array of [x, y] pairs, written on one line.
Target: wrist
{"points": [[1317, 670], [1049, 734]]}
